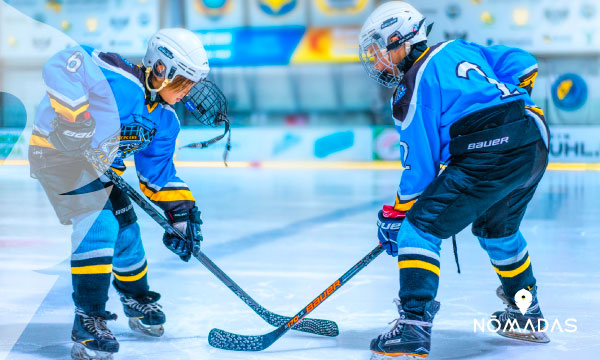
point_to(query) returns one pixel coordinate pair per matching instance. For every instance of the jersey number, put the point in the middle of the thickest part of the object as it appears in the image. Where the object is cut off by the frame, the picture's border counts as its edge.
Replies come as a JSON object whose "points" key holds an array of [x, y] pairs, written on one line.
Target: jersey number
{"points": [[462, 71], [74, 62]]}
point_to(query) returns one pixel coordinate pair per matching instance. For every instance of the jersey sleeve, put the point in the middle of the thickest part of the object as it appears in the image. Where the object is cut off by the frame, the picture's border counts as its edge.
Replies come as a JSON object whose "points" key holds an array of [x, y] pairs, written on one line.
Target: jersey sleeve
{"points": [[68, 82], [75, 84], [420, 156], [156, 171], [420, 144], [512, 65]]}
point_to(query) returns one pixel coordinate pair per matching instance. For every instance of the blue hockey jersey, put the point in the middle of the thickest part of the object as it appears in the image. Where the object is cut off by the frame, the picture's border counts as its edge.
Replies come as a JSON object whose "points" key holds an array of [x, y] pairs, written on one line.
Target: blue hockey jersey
{"points": [[112, 91], [449, 81]]}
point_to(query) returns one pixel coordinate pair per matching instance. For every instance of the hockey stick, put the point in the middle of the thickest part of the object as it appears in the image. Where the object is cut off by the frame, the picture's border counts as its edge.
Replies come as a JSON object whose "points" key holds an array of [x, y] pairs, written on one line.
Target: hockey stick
{"points": [[313, 326], [228, 341]]}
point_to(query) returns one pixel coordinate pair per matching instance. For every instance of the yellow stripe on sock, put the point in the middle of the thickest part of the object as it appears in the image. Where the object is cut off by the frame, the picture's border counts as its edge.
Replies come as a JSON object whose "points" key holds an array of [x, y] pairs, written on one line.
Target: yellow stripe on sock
{"points": [[92, 269], [131, 278], [515, 272], [405, 264]]}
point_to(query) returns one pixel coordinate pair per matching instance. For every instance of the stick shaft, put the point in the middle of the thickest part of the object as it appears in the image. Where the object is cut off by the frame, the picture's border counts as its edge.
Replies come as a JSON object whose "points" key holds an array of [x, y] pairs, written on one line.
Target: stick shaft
{"points": [[316, 326]]}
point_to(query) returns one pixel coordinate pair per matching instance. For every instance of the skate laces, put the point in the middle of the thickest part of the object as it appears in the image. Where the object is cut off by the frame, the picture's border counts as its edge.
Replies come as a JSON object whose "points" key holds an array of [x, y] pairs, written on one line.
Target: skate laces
{"points": [[143, 308], [401, 321], [512, 312], [96, 324]]}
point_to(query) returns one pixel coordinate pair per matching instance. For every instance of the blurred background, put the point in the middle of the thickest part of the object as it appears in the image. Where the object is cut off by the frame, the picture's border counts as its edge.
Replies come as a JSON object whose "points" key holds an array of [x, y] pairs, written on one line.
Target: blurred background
{"points": [[290, 69]]}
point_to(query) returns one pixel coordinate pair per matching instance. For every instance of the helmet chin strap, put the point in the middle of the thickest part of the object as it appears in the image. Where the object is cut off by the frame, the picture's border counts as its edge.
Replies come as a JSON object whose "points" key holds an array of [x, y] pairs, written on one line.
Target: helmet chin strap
{"points": [[412, 54], [153, 92]]}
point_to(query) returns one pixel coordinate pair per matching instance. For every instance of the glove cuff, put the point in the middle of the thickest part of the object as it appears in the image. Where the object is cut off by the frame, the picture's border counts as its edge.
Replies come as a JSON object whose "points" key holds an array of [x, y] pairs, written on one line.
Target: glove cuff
{"points": [[177, 216], [389, 212]]}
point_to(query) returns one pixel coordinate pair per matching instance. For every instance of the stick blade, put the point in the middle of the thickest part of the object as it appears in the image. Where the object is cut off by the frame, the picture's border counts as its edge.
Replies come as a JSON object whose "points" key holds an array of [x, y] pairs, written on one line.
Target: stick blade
{"points": [[314, 326], [225, 340]]}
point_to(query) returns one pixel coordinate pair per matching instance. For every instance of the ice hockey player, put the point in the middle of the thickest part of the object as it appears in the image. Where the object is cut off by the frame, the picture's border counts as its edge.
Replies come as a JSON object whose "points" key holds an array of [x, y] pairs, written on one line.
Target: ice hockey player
{"points": [[101, 101], [473, 149]]}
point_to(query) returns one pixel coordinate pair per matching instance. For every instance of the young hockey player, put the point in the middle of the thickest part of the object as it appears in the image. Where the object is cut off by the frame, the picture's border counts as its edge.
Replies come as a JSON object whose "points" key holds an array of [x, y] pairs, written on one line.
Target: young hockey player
{"points": [[100, 101], [473, 149]]}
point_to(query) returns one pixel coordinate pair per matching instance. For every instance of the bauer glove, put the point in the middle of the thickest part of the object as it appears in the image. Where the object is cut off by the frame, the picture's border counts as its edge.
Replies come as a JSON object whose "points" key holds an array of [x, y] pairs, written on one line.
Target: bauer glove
{"points": [[73, 138], [388, 222], [188, 223]]}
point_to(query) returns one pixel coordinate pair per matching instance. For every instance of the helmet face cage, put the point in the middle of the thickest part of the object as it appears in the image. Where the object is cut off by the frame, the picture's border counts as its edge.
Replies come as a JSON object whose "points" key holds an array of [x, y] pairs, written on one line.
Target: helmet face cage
{"points": [[207, 103], [378, 64]]}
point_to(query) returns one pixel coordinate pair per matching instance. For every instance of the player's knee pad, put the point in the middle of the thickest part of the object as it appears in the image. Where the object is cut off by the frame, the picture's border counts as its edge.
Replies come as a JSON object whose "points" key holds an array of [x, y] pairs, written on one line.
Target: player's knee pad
{"points": [[94, 231]]}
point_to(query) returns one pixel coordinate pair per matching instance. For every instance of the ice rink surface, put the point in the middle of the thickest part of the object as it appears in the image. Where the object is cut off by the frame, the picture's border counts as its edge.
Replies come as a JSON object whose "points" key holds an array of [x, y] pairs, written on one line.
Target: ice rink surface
{"points": [[284, 236]]}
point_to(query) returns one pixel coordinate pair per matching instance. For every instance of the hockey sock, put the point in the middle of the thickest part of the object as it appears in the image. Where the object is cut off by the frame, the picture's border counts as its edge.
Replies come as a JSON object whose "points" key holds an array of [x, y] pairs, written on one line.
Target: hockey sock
{"points": [[93, 238], [129, 263], [510, 260], [419, 264]]}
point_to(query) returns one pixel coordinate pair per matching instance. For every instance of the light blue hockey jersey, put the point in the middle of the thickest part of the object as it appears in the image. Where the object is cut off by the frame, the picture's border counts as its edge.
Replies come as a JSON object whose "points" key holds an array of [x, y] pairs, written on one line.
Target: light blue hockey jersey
{"points": [[112, 91], [449, 81]]}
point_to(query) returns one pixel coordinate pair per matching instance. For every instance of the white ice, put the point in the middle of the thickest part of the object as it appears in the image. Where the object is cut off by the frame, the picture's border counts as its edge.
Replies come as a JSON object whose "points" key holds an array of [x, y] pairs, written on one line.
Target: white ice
{"points": [[284, 236]]}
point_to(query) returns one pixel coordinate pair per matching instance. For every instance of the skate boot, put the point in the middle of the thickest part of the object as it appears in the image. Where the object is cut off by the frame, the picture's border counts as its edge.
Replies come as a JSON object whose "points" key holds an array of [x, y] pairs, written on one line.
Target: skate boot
{"points": [[144, 313], [93, 339], [513, 324], [409, 338]]}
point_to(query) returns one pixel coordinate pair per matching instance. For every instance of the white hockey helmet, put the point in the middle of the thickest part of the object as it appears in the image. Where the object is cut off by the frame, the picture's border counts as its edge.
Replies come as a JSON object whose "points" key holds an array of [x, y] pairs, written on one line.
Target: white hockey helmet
{"points": [[173, 52], [389, 20]]}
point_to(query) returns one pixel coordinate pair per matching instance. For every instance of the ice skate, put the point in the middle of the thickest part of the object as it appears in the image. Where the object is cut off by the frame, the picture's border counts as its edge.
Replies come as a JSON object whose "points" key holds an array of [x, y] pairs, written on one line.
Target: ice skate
{"points": [[145, 314], [513, 324], [93, 339], [409, 338]]}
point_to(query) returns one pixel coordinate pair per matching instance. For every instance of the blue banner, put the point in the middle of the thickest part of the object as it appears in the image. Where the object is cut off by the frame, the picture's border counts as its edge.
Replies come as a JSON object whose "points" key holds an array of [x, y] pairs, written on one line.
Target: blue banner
{"points": [[251, 46]]}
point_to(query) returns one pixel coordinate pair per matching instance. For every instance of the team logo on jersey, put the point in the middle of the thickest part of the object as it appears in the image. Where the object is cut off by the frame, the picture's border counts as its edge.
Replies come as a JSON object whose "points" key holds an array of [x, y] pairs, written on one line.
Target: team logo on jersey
{"points": [[134, 138], [569, 92], [342, 7], [214, 8], [400, 92], [277, 7]]}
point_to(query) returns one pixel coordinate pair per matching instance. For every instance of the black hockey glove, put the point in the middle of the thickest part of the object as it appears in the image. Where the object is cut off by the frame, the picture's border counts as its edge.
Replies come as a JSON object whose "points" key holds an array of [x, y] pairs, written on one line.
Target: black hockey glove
{"points": [[73, 138], [188, 223]]}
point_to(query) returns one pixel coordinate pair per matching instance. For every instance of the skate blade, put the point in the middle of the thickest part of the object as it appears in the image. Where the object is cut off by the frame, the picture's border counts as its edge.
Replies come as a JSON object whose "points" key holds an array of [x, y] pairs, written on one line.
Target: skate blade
{"points": [[531, 336], [80, 352], [151, 330], [395, 356]]}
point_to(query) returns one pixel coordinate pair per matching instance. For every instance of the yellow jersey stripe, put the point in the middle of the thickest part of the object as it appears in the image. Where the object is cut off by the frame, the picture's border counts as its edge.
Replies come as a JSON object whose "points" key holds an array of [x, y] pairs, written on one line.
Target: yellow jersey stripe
{"points": [[70, 114], [132, 277], [40, 141], [92, 269], [167, 195], [529, 81], [515, 272], [403, 206], [536, 110], [419, 264]]}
